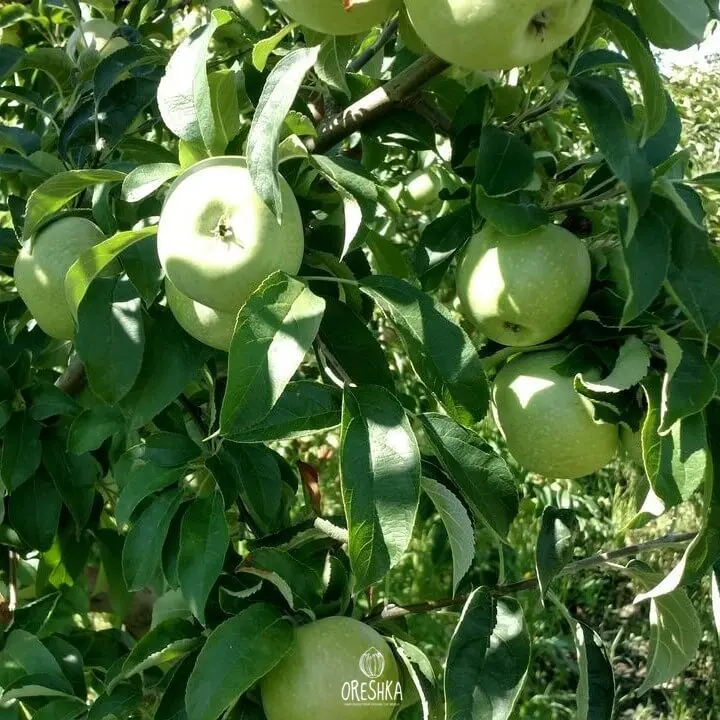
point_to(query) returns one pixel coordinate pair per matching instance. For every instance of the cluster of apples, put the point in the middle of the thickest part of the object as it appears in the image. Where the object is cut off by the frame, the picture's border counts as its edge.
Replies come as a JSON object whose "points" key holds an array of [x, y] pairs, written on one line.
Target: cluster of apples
{"points": [[473, 34], [521, 292]]}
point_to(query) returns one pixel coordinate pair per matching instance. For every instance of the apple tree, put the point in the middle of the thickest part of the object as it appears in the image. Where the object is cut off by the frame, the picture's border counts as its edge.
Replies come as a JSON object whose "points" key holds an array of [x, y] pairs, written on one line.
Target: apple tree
{"points": [[280, 281]]}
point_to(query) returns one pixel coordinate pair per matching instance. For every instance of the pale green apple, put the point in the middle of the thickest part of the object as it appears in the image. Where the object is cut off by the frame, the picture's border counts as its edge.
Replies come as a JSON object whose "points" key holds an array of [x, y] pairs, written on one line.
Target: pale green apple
{"points": [[217, 240], [314, 681], [496, 34], [40, 273], [410, 38], [212, 327], [252, 10], [548, 427], [94, 35], [422, 189], [631, 443], [338, 17], [523, 290]]}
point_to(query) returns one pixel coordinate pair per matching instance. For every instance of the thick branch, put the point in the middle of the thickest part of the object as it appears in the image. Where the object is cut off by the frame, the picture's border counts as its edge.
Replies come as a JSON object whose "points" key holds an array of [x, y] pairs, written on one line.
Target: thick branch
{"points": [[391, 612], [376, 103]]}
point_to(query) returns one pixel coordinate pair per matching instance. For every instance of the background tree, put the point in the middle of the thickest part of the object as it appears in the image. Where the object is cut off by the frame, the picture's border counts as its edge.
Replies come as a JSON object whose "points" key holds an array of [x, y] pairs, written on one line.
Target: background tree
{"points": [[176, 516]]}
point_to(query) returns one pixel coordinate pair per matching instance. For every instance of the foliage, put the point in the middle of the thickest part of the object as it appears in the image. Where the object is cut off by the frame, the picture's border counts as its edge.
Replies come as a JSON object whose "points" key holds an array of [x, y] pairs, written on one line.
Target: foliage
{"points": [[171, 511]]}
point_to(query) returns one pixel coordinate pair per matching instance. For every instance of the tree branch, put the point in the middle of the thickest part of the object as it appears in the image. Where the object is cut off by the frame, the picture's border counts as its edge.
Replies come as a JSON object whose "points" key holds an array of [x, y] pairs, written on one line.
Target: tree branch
{"points": [[392, 612], [376, 103], [331, 530]]}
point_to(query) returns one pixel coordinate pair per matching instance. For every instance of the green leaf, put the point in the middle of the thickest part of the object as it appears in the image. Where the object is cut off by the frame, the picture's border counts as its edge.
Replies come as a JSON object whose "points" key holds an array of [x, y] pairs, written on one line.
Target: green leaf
{"points": [[559, 529], [35, 511], [596, 685], [142, 265], [146, 179], [256, 474], [142, 551], [62, 709], [166, 642], [513, 217], [674, 24], [332, 62], [171, 360], [458, 525], [225, 107], [441, 353], [94, 260], [631, 38], [21, 450], [143, 482], [483, 478], [277, 97], [631, 366], [689, 383], [275, 329], [504, 164], [646, 253], [34, 616], [24, 652], [204, 540], [597, 97], [92, 427], [709, 180], [172, 704], [675, 631], [74, 477], [347, 340], [118, 65], [110, 337], [46, 400], [380, 475], [110, 546], [236, 655], [304, 408], [58, 190], [694, 277], [183, 95], [263, 48], [120, 703], [690, 460], [487, 660]]}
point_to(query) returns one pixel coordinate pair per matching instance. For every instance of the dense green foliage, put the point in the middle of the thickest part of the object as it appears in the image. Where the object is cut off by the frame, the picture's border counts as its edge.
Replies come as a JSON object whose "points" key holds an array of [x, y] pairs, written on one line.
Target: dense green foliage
{"points": [[172, 511]]}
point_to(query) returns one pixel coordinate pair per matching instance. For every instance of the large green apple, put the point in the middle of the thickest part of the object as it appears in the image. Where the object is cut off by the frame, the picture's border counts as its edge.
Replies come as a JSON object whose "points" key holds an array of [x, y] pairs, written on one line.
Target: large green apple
{"points": [[212, 327], [496, 34], [548, 427], [252, 10], [217, 240], [40, 273], [523, 290], [94, 35], [338, 17], [337, 669]]}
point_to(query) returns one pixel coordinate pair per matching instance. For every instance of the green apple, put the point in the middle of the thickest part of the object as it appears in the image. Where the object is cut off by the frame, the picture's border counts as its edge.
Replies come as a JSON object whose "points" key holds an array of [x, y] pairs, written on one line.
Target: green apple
{"points": [[631, 443], [338, 17], [523, 290], [212, 327], [40, 273], [408, 35], [496, 34], [548, 427], [422, 189], [335, 670], [217, 240], [94, 35], [252, 10]]}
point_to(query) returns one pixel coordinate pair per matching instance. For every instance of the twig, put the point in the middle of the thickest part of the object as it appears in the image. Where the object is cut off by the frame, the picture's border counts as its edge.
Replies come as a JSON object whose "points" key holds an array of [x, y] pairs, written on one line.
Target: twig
{"points": [[367, 55], [391, 612], [332, 531], [12, 581], [582, 202], [376, 103]]}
